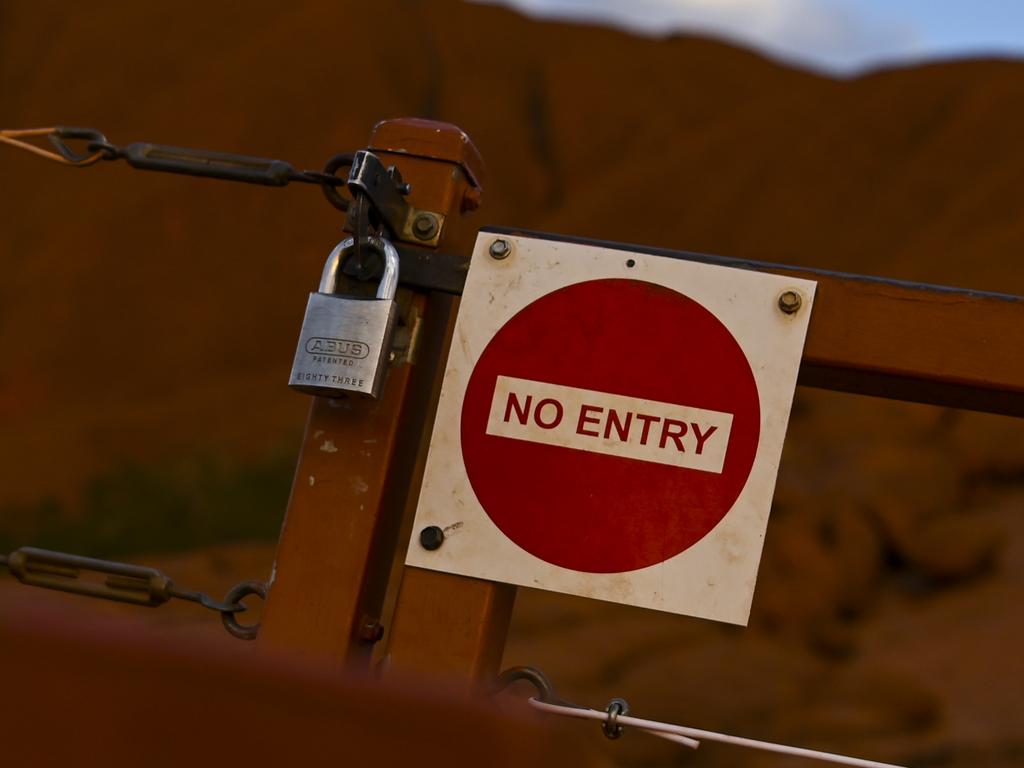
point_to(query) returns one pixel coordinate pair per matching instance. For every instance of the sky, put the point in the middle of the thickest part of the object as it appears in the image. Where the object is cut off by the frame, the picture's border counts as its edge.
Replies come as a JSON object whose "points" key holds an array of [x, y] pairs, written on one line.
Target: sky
{"points": [[837, 36]]}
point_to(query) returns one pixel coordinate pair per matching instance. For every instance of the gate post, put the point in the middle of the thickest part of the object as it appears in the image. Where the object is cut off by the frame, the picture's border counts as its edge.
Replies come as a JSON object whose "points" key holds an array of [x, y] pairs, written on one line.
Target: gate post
{"points": [[340, 531]]}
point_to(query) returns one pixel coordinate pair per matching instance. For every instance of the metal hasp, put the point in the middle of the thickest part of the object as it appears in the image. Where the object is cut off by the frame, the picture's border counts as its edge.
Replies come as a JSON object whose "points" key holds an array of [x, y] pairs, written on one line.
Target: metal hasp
{"points": [[361, 460], [383, 187]]}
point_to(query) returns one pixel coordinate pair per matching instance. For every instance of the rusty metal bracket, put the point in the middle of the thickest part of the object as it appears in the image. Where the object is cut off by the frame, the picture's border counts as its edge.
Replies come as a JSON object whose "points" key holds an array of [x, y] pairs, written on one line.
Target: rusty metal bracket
{"points": [[428, 270], [384, 189]]}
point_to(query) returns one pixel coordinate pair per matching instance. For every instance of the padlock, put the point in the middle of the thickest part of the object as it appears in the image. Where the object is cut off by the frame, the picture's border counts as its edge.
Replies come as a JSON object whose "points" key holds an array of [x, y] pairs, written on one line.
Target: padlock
{"points": [[345, 343]]}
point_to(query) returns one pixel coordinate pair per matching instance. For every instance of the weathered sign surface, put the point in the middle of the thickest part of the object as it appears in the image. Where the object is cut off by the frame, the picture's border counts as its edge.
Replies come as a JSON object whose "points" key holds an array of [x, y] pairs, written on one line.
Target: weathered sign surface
{"points": [[611, 425]]}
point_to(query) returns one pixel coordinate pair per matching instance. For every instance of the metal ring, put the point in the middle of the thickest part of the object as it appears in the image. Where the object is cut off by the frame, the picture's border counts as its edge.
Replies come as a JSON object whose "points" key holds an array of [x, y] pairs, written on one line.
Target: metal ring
{"points": [[611, 726], [336, 163], [238, 593], [545, 691], [110, 152], [83, 134]]}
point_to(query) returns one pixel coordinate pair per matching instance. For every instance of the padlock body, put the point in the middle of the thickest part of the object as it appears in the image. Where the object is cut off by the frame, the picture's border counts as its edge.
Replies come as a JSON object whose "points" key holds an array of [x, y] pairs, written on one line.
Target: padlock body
{"points": [[344, 346]]}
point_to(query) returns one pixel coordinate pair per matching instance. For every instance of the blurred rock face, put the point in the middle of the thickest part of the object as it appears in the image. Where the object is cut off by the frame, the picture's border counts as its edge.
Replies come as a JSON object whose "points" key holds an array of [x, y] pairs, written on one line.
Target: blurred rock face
{"points": [[146, 320]]}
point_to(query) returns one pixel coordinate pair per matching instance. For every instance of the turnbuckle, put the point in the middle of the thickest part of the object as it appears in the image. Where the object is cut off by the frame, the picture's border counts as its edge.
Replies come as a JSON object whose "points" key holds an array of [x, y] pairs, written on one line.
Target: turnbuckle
{"points": [[123, 583]]}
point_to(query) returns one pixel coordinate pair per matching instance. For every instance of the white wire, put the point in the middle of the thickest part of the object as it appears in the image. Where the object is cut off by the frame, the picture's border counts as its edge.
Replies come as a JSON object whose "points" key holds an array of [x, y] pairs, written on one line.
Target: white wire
{"points": [[667, 730], [686, 741]]}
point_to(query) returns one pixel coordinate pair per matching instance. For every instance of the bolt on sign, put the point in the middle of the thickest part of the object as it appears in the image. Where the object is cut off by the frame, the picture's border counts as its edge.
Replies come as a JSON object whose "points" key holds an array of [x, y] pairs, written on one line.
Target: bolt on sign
{"points": [[610, 425]]}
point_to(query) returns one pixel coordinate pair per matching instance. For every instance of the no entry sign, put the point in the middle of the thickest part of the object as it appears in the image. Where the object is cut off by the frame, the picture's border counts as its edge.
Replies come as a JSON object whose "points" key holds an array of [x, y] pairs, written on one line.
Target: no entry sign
{"points": [[611, 424], [621, 434]]}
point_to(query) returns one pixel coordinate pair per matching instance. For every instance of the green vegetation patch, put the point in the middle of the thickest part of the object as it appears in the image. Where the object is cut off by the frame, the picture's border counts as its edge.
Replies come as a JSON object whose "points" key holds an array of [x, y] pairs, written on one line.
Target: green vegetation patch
{"points": [[158, 508]]}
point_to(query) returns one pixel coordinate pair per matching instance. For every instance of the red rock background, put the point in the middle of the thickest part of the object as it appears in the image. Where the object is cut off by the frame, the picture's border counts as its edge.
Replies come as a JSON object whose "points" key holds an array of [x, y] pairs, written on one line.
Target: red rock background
{"points": [[147, 324]]}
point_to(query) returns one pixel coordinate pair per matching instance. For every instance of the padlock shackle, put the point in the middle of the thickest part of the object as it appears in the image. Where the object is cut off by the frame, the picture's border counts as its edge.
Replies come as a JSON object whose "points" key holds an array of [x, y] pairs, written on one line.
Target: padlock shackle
{"points": [[388, 286]]}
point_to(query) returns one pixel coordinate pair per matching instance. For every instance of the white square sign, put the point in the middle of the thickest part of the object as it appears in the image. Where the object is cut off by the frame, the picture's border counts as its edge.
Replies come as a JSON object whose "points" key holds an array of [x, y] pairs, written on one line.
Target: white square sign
{"points": [[610, 425]]}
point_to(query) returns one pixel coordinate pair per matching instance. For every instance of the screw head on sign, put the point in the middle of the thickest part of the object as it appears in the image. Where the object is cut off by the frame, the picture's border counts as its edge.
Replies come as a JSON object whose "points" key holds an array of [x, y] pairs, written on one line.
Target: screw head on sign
{"points": [[424, 226], [500, 249], [789, 302], [431, 538]]}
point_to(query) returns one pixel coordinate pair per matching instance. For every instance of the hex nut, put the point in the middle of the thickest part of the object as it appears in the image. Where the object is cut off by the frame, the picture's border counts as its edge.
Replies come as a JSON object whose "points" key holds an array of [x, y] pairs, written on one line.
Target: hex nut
{"points": [[424, 226], [500, 249], [790, 302]]}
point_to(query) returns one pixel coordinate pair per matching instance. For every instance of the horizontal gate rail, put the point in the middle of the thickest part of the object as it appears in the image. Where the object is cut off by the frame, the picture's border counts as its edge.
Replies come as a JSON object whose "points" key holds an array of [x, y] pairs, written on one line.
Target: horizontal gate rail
{"points": [[868, 335]]}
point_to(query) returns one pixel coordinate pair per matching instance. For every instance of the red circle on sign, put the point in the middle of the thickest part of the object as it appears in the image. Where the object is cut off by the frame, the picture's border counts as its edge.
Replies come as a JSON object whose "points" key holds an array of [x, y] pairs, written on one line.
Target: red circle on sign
{"points": [[590, 511]]}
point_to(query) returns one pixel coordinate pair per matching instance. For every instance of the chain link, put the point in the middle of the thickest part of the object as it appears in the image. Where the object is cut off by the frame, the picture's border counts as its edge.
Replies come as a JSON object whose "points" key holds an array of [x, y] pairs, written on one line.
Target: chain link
{"points": [[125, 583]]}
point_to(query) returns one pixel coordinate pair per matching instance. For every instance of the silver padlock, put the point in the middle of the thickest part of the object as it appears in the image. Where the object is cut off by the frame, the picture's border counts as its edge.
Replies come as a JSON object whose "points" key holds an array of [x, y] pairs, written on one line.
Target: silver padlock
{"points": [[345, 341]]}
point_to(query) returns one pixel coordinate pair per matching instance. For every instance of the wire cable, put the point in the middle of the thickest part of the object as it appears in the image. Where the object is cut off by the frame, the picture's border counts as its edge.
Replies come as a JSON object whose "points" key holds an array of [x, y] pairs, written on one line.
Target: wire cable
{"points": [[679, 732]]}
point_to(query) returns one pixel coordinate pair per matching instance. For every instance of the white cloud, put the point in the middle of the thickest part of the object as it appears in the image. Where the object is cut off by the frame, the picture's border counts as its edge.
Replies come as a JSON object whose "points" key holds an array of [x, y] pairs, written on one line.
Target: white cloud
{"points": [[831, 34]]}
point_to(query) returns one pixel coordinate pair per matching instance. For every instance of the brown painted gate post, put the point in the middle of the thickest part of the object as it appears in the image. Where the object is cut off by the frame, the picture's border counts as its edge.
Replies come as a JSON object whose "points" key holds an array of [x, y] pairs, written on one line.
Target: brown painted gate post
{"points": [[359, 458], [451, 628]]}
